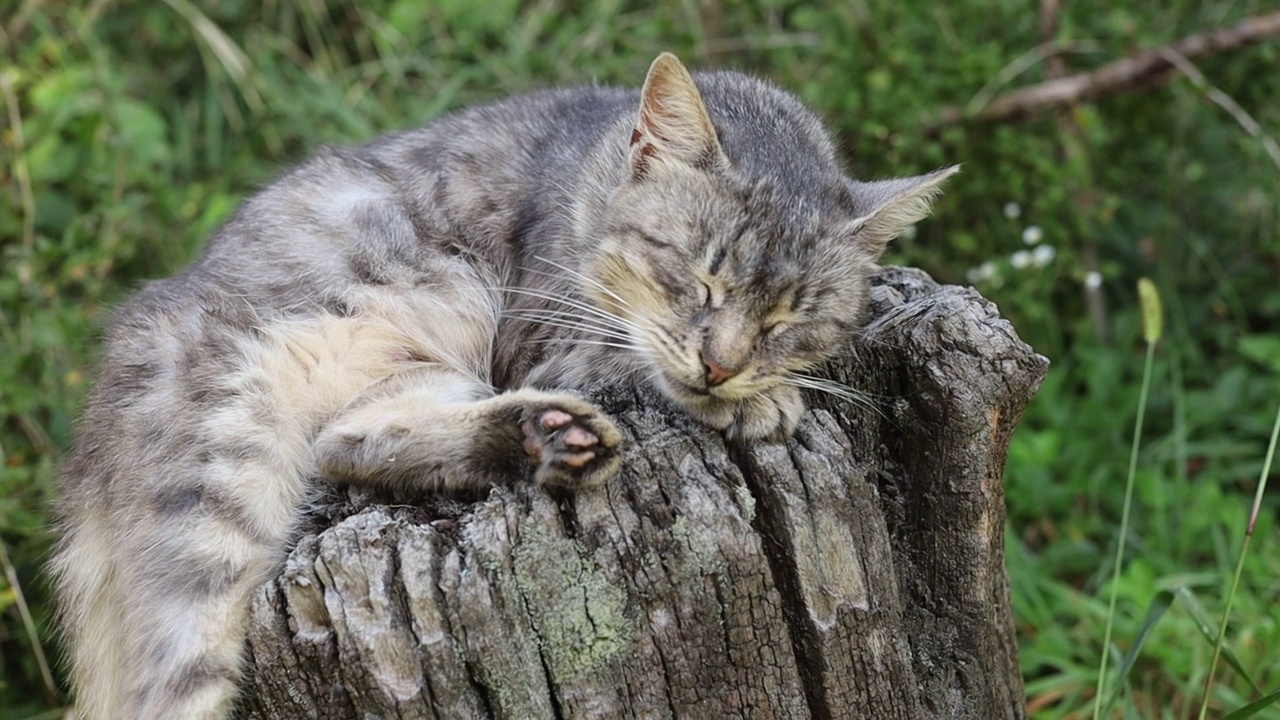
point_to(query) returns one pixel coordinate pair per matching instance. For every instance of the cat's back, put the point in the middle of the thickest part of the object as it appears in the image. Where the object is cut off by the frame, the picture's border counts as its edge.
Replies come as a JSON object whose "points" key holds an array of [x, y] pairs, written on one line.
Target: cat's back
{"points": [[363, 230]]}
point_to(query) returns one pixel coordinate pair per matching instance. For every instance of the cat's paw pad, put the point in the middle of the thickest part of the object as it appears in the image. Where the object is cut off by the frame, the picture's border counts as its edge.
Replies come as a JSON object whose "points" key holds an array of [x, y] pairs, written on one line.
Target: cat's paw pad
{"points": [[571, 445]]}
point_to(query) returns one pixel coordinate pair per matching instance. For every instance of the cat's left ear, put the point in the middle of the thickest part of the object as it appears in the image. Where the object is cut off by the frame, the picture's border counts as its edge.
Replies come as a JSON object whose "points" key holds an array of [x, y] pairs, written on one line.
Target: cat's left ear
{"points": [[887, 207], [674, 124]]}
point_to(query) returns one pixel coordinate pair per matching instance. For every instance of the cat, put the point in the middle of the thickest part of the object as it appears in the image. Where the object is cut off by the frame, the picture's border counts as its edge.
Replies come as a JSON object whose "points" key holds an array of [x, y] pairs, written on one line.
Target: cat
{"points": [[417, 312]]}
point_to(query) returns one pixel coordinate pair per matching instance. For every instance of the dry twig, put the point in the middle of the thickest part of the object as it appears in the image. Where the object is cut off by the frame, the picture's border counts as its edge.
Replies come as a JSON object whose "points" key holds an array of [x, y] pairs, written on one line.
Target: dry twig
{"points": [[1148, 68]]}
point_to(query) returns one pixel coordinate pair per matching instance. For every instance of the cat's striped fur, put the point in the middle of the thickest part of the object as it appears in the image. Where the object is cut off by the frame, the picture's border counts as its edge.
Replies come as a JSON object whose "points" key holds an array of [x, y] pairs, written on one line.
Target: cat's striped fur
{"points": [[378, 315]]}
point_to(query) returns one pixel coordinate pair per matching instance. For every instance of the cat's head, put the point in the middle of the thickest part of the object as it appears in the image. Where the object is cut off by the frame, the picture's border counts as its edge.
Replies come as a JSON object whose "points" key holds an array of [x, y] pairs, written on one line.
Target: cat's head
{"points": [[736, 257]]}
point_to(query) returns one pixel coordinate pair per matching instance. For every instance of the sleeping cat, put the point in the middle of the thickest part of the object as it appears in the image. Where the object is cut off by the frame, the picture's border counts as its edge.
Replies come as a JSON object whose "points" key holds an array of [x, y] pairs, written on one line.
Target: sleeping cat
{"points": [[417, 312]]}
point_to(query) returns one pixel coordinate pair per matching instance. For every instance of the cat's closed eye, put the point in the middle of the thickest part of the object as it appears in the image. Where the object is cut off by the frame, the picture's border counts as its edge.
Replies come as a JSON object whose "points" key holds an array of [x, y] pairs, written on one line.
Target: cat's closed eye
{"points": [[651, 239]]}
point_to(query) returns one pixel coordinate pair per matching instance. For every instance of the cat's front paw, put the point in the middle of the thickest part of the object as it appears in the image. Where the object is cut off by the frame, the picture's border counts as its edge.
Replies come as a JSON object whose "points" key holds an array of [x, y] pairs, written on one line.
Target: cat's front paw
{"points": [[771, 415], [570, 444]]}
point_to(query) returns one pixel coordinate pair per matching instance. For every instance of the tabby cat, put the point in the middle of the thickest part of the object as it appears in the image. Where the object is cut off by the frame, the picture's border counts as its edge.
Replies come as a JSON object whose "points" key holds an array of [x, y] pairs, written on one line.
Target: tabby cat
{"points": [[417, 312]]}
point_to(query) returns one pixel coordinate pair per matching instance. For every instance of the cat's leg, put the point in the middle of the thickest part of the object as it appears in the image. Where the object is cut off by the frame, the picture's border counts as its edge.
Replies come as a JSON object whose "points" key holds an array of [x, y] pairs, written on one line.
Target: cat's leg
{"points": [[161, 635], [419, 430]]}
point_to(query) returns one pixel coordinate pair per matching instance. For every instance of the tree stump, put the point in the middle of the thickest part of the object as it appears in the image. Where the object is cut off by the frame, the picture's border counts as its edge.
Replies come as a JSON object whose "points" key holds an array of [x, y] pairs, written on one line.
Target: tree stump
{"points": [[855, 571]]}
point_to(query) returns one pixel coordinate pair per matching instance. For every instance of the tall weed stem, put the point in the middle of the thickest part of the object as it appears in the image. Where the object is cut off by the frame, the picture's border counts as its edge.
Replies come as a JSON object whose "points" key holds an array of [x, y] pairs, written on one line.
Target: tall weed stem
{"points": [[1244, 550], [1152, 325]]}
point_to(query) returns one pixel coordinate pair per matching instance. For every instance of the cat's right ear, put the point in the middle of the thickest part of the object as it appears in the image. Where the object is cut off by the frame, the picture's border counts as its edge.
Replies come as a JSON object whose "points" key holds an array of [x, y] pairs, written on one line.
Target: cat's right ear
{"points": [[888, 207], [674, 124]]}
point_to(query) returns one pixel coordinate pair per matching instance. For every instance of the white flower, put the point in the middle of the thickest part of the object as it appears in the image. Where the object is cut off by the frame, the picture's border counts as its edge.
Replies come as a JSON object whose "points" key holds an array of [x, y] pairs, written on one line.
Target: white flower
{"points": [[1032, 234], [1093, 280], [1020, 259], [981, 273], [1042, 255], [1012, 210]]}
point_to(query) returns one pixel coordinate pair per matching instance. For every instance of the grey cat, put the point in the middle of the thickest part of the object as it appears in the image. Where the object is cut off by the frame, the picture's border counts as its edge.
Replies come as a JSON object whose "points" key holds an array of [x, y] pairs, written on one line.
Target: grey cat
{"points": [[416, 311]]}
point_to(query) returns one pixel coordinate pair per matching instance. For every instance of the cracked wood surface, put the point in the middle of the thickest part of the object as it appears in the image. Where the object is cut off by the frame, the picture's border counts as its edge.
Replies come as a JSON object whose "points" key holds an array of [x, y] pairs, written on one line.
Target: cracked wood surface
{"points": [[856, 571]]}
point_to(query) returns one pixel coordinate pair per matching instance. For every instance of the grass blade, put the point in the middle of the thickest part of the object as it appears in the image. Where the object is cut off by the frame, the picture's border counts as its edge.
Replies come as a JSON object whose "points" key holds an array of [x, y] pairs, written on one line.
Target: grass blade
{"points": [[1205, 624], [11, 576], [1159, 605], [1244, 550], [1254, 707]]}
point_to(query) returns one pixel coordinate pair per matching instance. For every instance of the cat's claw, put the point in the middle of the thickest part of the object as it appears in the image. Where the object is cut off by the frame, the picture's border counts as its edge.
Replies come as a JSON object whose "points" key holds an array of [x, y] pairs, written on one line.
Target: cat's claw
{"points": [[571, 446]]}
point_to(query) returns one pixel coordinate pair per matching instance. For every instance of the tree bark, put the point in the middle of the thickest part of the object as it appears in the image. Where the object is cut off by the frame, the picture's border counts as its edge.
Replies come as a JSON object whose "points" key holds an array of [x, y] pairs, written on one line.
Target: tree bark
{"points": [[855, 571]]}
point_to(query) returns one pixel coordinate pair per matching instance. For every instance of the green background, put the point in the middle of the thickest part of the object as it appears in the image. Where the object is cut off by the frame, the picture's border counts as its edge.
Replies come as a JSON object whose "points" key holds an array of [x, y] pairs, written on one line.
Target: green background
{"points": [[131, 129]]}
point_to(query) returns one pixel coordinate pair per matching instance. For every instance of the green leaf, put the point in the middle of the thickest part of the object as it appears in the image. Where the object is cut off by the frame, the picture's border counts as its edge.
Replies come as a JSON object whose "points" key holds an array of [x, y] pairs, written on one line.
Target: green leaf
{"points": [[53, 159], [54, 211], [1262, 349], [1254, 707], [1206, 626], [61, 96], [1156, 610], [145, 131]]}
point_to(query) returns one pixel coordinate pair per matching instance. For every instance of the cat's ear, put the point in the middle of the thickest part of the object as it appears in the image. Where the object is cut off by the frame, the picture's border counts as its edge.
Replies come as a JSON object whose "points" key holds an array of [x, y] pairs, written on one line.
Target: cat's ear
{"points": [[673, 124], [885, 208]]}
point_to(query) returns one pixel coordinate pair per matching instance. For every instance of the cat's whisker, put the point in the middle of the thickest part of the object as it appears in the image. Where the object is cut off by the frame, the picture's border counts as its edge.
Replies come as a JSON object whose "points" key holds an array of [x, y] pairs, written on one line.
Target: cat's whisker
{"points": [[580, 306], [574, 275], [858, 398], [828, 382], [648, 329], [852, 399], [583, 341], [607, 318], [585, 278], [581, 327], [573, 322], [535, 313], [560, 299]]}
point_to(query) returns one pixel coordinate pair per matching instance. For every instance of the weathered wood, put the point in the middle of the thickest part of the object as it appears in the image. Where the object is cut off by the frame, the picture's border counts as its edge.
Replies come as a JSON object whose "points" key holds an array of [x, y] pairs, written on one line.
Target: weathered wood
{"points": [[854, 571]]}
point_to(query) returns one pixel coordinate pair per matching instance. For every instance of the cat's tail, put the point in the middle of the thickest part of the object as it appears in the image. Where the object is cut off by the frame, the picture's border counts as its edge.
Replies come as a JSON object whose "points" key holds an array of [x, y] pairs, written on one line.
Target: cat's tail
{"points": [[174, 511], [82, 570], [156, 618]]}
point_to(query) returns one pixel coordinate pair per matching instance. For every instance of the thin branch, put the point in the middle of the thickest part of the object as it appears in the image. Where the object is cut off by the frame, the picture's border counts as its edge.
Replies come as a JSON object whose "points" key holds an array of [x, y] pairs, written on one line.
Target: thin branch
{"points": [[1049, 52], [1226, 102], [1145, 69], [11, 576]]}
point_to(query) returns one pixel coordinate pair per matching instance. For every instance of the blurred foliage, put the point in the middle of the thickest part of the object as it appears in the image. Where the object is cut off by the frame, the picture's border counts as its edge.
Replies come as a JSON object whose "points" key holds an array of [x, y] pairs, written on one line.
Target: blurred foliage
{"points": [[131, 129]]}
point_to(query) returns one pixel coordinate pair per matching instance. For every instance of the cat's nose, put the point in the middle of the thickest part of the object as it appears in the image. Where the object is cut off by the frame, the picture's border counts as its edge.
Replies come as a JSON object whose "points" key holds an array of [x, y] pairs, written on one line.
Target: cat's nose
{"points": [[716, 373]]}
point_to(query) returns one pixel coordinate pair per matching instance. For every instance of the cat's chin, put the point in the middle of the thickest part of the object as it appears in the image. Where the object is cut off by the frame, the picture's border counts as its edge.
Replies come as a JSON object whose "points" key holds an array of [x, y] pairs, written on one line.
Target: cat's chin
{"points": [[770, 415], [685, 390]]}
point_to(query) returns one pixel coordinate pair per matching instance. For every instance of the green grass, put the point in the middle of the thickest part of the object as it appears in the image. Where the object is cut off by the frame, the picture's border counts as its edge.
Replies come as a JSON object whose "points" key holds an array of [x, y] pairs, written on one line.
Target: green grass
{"points": [[129, 130]]}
